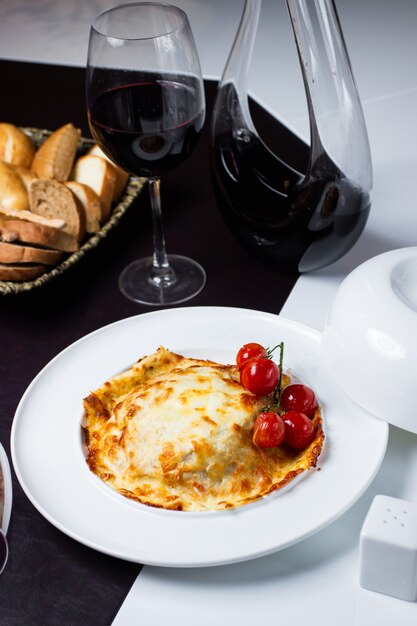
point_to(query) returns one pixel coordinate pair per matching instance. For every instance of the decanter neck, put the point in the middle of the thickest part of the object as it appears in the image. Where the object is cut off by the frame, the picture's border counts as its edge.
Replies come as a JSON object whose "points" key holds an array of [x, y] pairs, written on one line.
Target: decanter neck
{"points": [[335, 111], [238, 63]]}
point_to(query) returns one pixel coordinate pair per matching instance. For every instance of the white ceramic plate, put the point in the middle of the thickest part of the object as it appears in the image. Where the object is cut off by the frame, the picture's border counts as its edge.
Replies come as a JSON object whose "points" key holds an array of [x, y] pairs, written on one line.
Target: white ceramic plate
{"points": [[49, 461]]}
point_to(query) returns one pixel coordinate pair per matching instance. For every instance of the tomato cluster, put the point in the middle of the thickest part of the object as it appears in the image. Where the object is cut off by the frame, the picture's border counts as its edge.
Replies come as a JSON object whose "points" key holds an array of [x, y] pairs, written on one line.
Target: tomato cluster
{"points": [[289, 422]]}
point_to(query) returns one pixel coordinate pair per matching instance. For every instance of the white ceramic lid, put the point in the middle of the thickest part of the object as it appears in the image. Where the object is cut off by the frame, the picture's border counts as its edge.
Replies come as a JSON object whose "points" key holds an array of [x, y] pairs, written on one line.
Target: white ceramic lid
{"points": [[369, 342]]}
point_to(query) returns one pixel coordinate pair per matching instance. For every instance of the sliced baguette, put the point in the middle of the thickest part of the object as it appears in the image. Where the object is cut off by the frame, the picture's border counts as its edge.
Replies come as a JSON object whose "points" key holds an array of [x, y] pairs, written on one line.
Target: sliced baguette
{"points": [[55, 157], [38, 235], [21, 273], [52, 199], [15, 146], [100, 175], [15, 253], [13, 194], [91, 204], [31, 217], [26, 176], [7, 235], [121, 175]]}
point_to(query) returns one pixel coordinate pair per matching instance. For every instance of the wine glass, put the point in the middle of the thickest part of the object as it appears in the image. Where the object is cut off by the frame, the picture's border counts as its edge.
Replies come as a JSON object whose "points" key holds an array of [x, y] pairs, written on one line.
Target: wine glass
{"points": [[146, 110]]}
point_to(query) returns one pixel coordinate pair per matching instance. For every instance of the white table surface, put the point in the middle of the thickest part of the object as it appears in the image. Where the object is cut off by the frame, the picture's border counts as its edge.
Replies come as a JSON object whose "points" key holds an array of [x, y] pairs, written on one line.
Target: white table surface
{"points": [[318, 578]]}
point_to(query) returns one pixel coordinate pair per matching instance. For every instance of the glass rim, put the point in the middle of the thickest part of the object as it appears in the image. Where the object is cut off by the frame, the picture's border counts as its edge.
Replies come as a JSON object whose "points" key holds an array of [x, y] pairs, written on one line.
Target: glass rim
{"points": [[133, 4]]}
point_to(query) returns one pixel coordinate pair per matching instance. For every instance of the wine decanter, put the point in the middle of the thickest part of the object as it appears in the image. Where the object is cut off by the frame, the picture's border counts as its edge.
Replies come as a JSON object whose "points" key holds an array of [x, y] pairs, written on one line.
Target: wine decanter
{"points": [[296, 221]]}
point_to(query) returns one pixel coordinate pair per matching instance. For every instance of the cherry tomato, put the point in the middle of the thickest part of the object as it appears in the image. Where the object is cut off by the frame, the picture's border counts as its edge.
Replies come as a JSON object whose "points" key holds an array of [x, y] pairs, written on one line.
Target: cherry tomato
{"points": [[300, 398], [299, 430], [268, 430], [249, 351], [260, 376]]}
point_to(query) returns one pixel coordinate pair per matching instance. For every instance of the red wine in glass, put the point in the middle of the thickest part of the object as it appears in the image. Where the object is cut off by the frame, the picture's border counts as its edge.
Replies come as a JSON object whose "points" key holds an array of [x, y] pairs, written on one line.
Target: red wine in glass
{"points": [[146, 110], [147, 127]]}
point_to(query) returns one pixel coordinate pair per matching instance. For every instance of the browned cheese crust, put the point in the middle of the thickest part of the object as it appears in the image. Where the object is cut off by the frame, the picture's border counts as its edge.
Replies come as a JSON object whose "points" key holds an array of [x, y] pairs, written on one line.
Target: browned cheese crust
{"points": [[176, 433]]}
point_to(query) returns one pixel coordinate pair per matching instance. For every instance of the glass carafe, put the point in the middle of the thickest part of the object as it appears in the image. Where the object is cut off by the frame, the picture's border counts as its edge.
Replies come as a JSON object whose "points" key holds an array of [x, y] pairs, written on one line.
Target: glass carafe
{"points": [[297, 221]]}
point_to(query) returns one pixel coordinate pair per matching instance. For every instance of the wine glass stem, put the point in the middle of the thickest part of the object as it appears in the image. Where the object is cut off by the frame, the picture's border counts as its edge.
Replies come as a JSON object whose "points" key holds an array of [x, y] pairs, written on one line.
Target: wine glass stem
{"points": [[162, 273]]}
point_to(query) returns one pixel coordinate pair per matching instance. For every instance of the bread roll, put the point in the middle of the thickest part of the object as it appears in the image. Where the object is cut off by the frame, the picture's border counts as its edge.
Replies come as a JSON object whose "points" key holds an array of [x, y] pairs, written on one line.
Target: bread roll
{"points": [[16, 253], [13, 194], [55, 157], [121, 175], [20, 273], [52, 199], [38, 234], [15, 146], [91, 204], [100, 175], [26, 176]]}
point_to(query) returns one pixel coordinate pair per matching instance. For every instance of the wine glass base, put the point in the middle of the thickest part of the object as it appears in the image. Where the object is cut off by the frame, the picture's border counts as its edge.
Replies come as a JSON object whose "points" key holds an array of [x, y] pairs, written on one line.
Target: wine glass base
{"points": [[184, 281]]}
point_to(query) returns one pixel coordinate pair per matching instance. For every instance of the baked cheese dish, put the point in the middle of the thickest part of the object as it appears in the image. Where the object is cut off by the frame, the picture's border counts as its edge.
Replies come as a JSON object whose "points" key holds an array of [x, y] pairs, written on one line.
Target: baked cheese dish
{"points": [[176, 433]]}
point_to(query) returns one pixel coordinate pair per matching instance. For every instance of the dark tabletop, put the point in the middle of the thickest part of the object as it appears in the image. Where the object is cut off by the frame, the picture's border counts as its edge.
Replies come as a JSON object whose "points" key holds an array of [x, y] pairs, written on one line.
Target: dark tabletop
{"points": [[50, 578]]}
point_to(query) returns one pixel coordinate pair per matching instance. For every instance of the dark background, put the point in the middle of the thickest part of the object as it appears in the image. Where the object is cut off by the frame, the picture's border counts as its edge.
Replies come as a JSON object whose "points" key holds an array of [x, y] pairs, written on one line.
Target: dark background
{"points": [[50, 578]]}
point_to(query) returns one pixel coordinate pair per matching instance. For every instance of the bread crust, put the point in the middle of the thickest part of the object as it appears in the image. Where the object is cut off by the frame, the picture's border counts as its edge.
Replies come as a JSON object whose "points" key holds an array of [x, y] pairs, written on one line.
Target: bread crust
{"points": [[55, 157], [16, 253], [39, 235], [121, 175], [21, 273], [30, 217], [13, 193], [90, 203], [26, 175], [15, 146], [100, 175]]}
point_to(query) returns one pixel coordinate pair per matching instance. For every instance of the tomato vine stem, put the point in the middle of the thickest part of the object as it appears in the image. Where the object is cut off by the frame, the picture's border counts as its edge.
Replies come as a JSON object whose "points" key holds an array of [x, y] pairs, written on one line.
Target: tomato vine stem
{"points": [[279, 387], [277, 393]]}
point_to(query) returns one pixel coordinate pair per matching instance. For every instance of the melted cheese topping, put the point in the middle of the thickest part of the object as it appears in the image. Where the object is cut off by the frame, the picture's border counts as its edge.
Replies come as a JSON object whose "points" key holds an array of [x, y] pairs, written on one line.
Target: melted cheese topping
{"points": [[176, 433]]}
